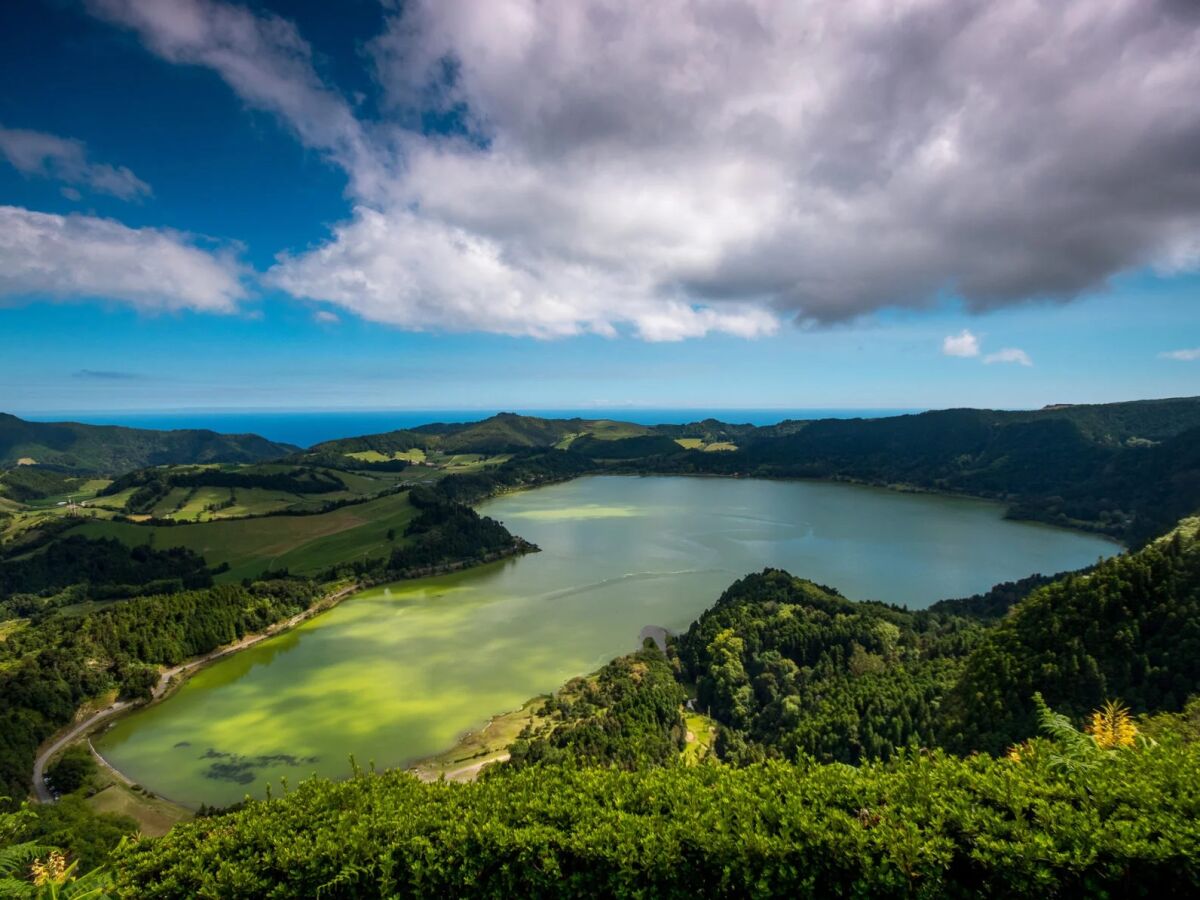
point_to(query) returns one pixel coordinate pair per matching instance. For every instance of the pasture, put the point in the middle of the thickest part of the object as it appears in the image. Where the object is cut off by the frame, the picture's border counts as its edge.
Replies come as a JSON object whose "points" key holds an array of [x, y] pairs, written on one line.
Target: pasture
{"points": [[301, 544], [698, 444]]}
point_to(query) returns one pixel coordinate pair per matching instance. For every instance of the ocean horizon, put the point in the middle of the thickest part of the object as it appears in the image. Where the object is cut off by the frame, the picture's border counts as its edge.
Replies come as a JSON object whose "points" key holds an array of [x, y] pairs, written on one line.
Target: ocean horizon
{"points": [[307, 427]]}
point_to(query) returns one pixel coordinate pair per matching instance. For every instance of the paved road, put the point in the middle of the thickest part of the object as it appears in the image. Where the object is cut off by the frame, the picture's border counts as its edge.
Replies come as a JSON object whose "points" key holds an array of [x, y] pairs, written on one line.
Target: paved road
{"points": [[39, 765]]}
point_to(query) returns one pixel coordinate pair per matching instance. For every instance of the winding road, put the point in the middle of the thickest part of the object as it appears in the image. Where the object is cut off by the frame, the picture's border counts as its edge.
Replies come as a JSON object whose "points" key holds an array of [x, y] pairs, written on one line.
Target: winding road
{"points": [[40, 789]]}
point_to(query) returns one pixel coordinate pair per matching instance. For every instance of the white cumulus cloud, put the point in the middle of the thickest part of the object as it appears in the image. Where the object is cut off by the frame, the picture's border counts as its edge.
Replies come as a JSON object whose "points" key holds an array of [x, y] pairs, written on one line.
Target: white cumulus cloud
{"points": [[83, 256], [962, 344]]}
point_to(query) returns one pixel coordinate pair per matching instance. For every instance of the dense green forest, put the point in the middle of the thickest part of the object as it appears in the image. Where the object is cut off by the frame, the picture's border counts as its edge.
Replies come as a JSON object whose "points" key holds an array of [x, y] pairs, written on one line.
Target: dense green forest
{"points": [[100, 569], [789, 668], [35, 482], [1130, 628]]}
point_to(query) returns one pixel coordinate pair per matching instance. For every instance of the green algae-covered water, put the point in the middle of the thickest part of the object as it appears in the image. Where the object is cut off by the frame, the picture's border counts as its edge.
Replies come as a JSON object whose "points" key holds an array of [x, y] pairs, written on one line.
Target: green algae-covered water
{"points": [[398, 673]]}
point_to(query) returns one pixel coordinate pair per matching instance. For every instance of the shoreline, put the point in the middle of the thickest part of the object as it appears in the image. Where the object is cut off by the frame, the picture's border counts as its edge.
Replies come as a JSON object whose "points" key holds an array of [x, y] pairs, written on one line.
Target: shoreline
{"points": [[173, 678]]}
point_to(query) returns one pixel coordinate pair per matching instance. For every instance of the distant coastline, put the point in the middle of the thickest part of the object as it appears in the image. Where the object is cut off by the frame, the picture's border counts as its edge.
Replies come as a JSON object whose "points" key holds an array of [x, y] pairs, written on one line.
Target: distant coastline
{"points": [[307, 427]]}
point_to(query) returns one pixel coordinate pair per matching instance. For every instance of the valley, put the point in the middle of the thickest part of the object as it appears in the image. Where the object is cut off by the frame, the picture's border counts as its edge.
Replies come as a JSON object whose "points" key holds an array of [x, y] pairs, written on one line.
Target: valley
{"points": [[462, 654]]}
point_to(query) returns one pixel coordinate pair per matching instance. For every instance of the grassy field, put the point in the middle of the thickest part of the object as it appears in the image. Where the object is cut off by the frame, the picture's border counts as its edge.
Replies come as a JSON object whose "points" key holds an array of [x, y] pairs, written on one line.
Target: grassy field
{"points": [[415, 455], [11, 626], [198, 501], [698, 444], [302, 544], [608, 430], [702, 734], [154, 815]]}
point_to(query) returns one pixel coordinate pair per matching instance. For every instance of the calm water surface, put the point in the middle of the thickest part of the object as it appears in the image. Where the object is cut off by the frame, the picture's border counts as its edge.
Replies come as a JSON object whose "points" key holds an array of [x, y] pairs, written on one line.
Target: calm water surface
{"points": [[398, 673]]}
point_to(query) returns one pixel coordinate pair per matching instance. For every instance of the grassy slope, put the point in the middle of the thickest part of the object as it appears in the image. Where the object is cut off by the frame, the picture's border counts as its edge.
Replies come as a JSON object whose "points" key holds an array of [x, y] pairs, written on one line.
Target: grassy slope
{"points": [[154, 816], [302, 544]]}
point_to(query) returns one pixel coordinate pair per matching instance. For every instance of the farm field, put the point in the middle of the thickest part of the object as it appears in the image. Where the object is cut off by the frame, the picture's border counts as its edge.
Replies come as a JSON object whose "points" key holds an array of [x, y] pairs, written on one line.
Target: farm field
{"points": [[698, 444], [302, 544]]}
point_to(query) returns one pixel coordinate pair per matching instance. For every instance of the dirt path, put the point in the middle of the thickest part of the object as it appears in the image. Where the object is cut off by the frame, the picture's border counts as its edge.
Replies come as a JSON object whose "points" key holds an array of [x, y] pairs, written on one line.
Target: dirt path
{"points": [[165, 680], [468, 773]]}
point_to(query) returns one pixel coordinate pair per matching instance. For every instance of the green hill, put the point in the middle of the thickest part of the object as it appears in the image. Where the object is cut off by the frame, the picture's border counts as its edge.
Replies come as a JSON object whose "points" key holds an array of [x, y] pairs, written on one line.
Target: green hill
{"points": [[502, 433], [112, 449], [1130, 628]]}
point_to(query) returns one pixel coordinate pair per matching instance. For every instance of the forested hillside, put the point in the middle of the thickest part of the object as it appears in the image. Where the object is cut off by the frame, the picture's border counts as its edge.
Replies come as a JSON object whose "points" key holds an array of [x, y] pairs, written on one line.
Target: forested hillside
{"points": [[788, 667], [101, 568], [111, 449], [1130, 629], [627, 715]]}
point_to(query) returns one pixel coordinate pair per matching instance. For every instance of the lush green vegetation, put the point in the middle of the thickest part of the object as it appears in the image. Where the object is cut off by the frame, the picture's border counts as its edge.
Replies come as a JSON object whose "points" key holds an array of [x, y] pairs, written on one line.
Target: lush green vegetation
{"points": [[36, 483], [627, 715], [962, 781], [99, 569], [1130, 628], [650, 445], [76, 448], [447, 532], [791, 668], [594, 801], [503, 433], [924, 824], [152, 485]]}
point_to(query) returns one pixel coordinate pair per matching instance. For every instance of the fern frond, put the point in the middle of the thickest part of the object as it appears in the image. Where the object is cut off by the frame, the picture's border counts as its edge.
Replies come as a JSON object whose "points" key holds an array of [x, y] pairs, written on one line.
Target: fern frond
{"points": [[17, 857]]}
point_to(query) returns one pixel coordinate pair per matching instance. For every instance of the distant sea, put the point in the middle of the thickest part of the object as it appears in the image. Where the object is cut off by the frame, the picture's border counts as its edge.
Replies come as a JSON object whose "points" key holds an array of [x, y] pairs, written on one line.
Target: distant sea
{"points": [[305, 428]]}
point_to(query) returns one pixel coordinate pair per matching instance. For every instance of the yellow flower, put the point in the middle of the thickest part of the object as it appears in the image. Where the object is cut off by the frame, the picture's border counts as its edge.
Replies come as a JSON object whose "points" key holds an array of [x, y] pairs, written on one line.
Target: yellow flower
{"points": [[1020, 752], [52, 871], [1112, 727]]}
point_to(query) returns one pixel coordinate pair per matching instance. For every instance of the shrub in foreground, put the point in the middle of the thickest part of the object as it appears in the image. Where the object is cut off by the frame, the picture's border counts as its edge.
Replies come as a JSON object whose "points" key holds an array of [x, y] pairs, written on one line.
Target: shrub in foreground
{"points": [[926, 824]]}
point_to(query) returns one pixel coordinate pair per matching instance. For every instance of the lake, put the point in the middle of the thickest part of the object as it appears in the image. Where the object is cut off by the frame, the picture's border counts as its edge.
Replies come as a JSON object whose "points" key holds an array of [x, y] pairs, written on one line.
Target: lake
{"points": [[397, 673]]}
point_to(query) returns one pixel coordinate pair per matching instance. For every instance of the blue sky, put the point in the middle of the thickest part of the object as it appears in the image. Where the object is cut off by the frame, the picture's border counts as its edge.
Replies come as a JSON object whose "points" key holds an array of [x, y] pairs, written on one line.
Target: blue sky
{"points": [[214, 205]]}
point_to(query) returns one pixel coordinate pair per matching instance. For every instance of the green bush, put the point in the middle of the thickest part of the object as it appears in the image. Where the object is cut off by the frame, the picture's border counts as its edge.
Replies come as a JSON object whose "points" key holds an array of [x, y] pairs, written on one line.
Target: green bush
{"points": [[922, 825]]}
